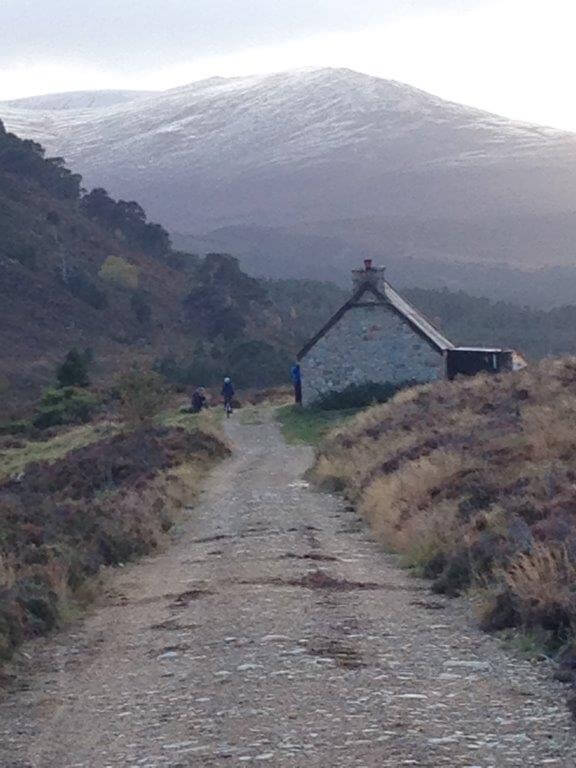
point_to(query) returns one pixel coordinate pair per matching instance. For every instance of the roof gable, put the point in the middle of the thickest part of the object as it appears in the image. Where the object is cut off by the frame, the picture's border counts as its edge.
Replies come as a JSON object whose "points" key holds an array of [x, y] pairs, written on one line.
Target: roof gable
{"points": [[392, 300]]}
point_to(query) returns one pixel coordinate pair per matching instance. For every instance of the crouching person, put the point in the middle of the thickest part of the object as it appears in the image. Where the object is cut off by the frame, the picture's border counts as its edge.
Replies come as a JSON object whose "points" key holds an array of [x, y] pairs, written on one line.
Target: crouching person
{"points": [[199, 401]]}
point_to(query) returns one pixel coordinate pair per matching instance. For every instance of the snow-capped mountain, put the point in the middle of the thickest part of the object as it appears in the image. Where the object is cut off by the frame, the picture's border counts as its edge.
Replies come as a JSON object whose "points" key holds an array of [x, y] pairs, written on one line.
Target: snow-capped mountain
{"points": [[306, 146], [77, 100]]}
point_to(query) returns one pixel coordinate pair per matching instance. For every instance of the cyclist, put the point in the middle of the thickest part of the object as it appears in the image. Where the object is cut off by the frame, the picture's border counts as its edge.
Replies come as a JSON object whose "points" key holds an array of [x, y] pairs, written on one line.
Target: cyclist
{"points": [[227, 393]]}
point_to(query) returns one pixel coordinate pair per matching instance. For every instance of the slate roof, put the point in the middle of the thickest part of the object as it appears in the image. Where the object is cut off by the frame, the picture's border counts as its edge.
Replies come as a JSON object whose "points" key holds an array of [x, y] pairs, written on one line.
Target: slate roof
{"points": [[392, 299]]}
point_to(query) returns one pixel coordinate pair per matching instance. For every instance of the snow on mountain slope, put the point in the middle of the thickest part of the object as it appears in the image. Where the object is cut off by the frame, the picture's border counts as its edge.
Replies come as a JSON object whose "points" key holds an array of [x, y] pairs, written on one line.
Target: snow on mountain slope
{"points": [[306, 145], [76, 100]]}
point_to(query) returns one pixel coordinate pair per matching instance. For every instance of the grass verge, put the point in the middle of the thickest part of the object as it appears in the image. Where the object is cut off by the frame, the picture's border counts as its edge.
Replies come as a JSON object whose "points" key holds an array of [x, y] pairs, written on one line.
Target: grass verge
{"points": [[310, 425]]}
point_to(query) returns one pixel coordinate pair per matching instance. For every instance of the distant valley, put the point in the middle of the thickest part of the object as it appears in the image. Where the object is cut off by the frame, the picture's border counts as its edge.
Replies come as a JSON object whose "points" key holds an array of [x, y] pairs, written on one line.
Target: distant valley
{"points": [[283, 253], [327, 165]]}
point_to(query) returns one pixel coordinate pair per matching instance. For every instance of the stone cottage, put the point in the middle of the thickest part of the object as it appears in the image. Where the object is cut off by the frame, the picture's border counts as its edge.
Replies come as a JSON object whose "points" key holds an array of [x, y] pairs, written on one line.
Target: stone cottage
{"points": [[376, 336]]}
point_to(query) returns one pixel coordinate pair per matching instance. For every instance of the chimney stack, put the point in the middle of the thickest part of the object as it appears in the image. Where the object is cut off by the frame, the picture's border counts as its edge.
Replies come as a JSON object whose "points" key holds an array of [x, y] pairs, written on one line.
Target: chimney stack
{"points": [[373, 276]]}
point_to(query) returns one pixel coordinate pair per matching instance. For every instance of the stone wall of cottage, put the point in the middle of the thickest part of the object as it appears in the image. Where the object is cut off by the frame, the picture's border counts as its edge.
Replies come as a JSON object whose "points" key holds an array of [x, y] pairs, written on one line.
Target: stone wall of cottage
{"points": [[369, 343]]}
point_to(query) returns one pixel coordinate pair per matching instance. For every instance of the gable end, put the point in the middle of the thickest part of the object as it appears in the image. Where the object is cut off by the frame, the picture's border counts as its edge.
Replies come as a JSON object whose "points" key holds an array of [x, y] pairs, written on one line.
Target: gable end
{"points": [[350, 304], [393, 301]]}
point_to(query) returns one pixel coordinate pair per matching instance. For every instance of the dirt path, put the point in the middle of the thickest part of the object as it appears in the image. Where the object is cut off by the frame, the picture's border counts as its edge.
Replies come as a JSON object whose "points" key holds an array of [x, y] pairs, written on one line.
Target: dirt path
{"points": [[276, 632]]}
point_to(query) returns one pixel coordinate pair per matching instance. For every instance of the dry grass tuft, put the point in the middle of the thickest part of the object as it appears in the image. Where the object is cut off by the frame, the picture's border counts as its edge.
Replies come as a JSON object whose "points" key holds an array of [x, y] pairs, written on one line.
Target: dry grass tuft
{"points": [[474, 483], [543, 580]]}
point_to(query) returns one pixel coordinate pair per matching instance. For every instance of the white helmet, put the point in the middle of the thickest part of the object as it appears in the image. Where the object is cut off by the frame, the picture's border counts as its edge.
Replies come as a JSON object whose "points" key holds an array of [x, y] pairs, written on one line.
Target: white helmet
{"points": [[227, 380]]}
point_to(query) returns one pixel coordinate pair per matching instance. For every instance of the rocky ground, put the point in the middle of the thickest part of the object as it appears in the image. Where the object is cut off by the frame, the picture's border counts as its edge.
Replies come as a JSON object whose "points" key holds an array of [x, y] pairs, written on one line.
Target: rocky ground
{"points": [[276, 632]]}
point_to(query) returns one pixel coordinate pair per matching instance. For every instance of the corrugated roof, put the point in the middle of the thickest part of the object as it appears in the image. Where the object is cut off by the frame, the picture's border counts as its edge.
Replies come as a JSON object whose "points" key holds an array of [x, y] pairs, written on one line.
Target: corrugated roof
{"points": [[490, 350]]}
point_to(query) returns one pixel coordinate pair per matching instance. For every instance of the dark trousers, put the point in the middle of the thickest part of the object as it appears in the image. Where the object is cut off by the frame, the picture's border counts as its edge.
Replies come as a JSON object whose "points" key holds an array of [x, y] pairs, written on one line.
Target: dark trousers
{"points": [[298, 392]]}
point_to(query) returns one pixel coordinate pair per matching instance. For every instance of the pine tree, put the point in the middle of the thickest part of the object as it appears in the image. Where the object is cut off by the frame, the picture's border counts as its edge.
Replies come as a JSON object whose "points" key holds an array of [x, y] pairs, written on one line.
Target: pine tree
{"points": [[73, 372]]}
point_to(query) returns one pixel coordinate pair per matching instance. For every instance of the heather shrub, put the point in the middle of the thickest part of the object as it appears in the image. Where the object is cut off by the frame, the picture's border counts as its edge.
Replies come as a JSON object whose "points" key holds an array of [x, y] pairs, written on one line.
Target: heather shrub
{"points": [[102, 504], [473, 482]]}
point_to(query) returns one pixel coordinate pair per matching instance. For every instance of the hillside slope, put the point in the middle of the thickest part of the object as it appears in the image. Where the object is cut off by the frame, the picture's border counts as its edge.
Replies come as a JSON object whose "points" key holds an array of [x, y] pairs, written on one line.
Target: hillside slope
{"points": [[321, 145], [82, 270], [473, 482]]}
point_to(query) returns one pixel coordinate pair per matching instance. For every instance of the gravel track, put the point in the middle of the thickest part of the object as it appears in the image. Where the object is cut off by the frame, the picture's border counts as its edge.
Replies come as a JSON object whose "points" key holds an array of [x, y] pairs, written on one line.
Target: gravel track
{"points": [[276, 632]]}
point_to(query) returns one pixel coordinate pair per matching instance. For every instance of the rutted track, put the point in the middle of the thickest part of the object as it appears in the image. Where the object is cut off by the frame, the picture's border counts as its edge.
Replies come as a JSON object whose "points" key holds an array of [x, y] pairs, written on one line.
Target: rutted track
{"points": [[276, 632]]}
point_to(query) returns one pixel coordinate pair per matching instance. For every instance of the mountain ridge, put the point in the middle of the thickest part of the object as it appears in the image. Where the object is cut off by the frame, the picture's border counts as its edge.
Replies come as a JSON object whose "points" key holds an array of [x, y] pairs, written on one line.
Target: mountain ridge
{"points": [[41, 101], [295, 149], [66, 100]]}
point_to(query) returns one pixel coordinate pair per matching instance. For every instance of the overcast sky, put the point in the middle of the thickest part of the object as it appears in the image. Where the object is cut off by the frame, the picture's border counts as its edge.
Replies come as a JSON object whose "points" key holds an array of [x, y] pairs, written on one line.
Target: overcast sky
{"points": [[515, 57]]}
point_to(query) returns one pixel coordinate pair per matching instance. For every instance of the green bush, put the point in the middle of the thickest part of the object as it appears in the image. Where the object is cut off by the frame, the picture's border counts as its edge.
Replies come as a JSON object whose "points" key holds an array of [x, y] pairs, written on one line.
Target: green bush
{"points": [[73, 372], [360, 395], [14, 427], [67, 405], [142, 396]]}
